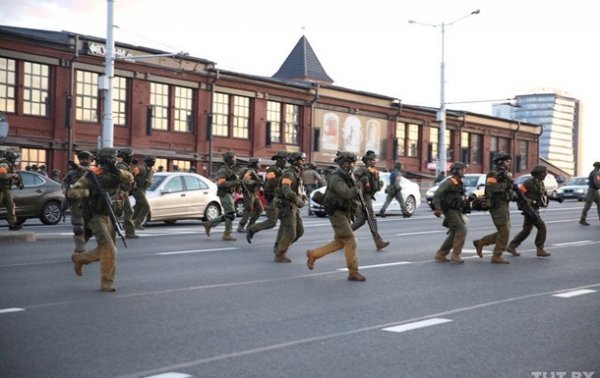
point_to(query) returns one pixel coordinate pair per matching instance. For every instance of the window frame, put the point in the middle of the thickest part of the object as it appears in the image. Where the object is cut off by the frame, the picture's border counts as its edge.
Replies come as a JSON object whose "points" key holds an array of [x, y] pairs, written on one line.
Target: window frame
{"points": [[36, 89], [8, 90], [87, 93]]}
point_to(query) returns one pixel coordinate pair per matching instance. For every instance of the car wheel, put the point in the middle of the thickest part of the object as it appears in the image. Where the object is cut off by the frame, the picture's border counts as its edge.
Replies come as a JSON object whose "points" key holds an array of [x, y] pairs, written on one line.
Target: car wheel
{"points": [[239, 208], [411, 205], [320, 214], [212, 211], [51, 213]]}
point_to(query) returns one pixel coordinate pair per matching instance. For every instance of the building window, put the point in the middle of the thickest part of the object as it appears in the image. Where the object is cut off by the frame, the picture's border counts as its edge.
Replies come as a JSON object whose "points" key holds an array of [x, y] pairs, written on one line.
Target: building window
{"points": [[7, 85], [292, 124], [159, 100], [119, 103], [464, 147], [31, 156], [498, 144], [413, 140], [181, 165], [274, 116], [160, 165], [184, 100], [522, 157], [87, 96], [220, 110], [476, 149], [434, 135], [400, 139], [241, 117], [35, 89]]}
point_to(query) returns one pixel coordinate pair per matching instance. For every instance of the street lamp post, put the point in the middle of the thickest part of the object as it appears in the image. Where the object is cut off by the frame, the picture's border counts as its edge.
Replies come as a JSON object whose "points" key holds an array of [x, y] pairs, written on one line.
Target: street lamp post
{"points": [[441, 116]]}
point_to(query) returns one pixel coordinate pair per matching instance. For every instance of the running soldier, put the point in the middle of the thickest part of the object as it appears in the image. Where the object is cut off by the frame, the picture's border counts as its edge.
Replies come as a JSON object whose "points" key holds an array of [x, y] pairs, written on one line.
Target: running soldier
{"points": [[8, 177], [251, 184], [81, 231], [312, 181], [142, 174], [394, 191], [227, 184], [124, 157], [593, 194]]}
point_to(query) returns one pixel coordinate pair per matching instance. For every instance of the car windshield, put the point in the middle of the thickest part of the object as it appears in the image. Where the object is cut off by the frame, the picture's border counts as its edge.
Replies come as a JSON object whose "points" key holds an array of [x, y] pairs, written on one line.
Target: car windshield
{"points": [[522, 179], [470, 181], [578, 181], [156, 180]]}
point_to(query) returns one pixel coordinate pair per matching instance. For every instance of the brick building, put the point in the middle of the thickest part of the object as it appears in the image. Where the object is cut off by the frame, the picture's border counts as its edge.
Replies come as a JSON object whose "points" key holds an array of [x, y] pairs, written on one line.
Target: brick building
{"points": [[188, 112]]}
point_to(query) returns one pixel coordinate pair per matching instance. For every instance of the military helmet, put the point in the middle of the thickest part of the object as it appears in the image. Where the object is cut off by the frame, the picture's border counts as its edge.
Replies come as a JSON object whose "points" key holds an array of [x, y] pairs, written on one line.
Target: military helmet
{"points": [[398, 165], [84, 155], [312, 165], [342, 157], [106, 152], [369, 155], [280, 155], [229, 157], [539, 170], [295, 157], [149, 157], [456, 166], [11, 156], [597, 164], [125, 152], [253, 162], [501, 156]]}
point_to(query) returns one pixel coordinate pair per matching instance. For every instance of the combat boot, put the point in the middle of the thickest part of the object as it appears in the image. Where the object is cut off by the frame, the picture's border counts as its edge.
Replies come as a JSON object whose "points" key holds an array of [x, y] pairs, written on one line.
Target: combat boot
{"points": [[455, 259], [227, 236], [541, 253], [132, 236], [241, 229], [478, 247], [512, 249], [381, 244], [207, 226], [249, 234], [108, 289], [440, 256], [498, 259], [381, 214], [355, 276], [583, 222], [15, 227], [282, 258], [78, 264], [310, 260]]}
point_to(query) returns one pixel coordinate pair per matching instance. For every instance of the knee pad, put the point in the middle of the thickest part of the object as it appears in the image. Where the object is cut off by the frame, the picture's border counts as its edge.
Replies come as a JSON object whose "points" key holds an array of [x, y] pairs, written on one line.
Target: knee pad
{"points": [[230, 215], [78, 230]]}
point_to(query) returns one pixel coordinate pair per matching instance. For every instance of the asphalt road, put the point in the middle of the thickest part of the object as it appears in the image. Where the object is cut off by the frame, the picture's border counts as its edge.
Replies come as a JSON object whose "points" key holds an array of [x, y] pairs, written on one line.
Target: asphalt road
{"points": [[189, 305]]}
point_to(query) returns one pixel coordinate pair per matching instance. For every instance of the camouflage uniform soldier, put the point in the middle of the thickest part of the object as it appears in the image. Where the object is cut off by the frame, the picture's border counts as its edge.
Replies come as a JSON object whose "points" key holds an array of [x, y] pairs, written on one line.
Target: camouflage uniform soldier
{"points": [[251, 182], [593, 194], [394, 191], [8, 176], [498, 191], [143, 180], [368, 176], [81, 233], [124, 156], [291, 198], [227, 184], [111, 179], [312, 181], [341, 204], [534, 190], [270, 189], [450, 200]]}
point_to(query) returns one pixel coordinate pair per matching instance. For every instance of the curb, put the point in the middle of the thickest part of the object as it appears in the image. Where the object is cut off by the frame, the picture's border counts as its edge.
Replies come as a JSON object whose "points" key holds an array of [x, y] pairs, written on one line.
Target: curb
{"points": [[16, 237]]}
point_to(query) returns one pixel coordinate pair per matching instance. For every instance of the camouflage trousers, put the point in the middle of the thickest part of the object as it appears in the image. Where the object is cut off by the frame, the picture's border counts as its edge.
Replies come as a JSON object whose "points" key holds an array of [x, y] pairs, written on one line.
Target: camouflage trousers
{"points": [[6, 199], [457, 232], [343, 238], [105, 251], [272, 215]]}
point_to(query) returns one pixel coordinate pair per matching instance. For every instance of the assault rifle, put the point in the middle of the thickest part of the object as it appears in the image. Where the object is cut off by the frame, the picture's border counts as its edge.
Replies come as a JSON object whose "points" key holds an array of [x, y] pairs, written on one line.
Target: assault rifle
{"points": [[527, 209], [108, 205], [369, 216]]}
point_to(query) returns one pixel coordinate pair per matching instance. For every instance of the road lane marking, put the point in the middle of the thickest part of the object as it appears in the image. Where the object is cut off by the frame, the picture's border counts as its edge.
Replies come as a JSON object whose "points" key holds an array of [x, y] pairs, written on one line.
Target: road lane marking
{"points": [[575, 293], [422, 233], [416, 325], [579, 242], [14, 309], [197, 251], [170, 375], [377, 265]]}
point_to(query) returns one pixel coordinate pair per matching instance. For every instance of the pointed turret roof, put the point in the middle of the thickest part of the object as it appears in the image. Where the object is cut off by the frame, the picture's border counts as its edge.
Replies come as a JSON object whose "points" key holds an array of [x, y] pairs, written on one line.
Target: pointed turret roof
{"points": [[302, 64]]}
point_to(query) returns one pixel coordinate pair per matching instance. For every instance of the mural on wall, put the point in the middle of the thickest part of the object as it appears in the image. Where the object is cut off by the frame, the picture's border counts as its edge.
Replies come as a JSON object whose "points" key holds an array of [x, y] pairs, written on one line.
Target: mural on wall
{"points": [[347, 132]]}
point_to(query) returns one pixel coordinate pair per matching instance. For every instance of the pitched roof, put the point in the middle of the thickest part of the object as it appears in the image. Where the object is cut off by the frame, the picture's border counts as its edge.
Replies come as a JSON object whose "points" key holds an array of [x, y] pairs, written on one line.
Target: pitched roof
{"points": [[303, 64]]}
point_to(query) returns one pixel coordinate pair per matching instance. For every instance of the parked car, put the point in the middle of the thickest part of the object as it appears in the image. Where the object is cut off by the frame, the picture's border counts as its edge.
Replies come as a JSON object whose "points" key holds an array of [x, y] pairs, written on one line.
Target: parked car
{"points": [[549, 182], [474, 184], [410, 191], [238, 202], [41, 198], [181, 195], [575, 188]]}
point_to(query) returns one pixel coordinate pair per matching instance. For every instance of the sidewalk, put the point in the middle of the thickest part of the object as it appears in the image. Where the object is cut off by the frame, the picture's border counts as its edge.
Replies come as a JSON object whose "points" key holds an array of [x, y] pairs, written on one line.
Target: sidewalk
{"points": [[20, 236]]}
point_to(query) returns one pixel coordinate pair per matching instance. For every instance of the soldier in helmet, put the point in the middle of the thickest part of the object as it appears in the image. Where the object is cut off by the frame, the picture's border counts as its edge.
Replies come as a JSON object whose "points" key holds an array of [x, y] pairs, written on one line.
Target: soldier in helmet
{"points": [[271, 187], [252, 183], [81, 231], [124, 156], [111, 180], [227, 184], [291, 198], [312, 180], [341, 205], [498, 191], [450, 200], [394, 191], [368, 176], [8, 177], [593, 195], [534, 192], [142, 174]]}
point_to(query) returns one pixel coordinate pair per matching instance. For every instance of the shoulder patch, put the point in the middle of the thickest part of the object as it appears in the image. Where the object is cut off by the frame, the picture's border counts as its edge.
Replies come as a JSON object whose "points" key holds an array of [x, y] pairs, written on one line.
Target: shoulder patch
{"points": [[491, 180], [96, 170], [454, 181]]}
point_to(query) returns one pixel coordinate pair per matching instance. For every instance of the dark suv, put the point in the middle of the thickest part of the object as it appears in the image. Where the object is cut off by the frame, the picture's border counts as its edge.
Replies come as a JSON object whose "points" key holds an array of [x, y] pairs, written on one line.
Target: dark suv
{"points": [[41, 198]]}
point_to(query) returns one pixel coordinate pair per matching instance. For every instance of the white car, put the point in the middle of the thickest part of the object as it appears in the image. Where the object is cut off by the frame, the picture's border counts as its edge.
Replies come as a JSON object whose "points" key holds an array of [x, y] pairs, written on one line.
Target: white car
{"points": [[410, 192], [550, 183], [181, 195], [474, 184]]}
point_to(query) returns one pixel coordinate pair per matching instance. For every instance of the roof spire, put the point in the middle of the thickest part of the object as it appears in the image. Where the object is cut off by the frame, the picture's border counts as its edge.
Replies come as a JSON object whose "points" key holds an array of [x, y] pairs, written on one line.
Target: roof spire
{"points": [[302, 64]]}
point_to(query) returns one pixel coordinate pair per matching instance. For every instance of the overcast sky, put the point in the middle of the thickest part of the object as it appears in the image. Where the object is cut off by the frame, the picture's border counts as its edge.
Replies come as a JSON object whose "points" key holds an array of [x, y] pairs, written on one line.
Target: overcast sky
{"points": [[512, 47]]}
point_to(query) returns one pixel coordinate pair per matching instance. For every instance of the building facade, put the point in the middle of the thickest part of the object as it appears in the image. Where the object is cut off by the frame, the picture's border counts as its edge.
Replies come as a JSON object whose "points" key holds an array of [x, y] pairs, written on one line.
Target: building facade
{"points": [[188, 112]]}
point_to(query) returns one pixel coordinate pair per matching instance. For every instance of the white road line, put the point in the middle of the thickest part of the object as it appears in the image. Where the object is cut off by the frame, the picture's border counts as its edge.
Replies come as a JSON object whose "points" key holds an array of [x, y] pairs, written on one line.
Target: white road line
{"points": [[579, 242], [422, 233], [575, 293], [197, 251], [416, 325], [14, 309], [377, 265], [170, 375]]}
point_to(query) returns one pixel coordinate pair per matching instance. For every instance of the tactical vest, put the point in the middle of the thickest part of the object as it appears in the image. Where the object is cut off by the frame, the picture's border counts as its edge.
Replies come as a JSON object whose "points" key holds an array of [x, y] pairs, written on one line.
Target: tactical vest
{"points": [[370, 176], [271, 186], [297, 186], [333, 201], [229, 175], [110, 183], [454, 196], [6, 181]]}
